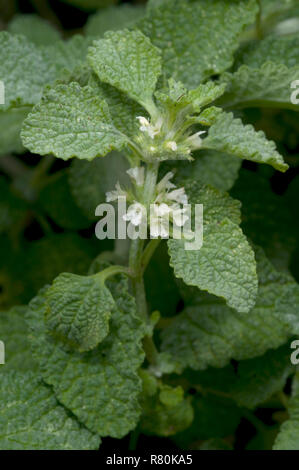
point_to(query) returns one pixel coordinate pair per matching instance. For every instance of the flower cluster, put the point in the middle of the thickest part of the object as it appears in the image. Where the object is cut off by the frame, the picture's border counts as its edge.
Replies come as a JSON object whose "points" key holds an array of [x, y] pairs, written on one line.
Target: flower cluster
{"points": [[162, 143], [166, 207]]}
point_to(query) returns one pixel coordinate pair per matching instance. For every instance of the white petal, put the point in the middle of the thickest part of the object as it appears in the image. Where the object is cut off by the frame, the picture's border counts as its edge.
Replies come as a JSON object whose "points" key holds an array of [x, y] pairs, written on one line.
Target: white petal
{"points": [[115, 194], [160, 210], [165, 182], [179, 218], [159, 227], [178, 195], [134, 214], [137, 174], [143, 121], [195, 140], [172, 145]]}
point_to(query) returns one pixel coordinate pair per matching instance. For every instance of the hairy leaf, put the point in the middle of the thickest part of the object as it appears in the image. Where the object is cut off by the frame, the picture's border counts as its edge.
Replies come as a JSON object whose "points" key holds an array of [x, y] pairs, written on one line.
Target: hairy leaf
{"points": [[128, 61], [32, 419], [199, 38], [100, 387], [79, 309], [71, 122], [231, 136], [13, 332]]}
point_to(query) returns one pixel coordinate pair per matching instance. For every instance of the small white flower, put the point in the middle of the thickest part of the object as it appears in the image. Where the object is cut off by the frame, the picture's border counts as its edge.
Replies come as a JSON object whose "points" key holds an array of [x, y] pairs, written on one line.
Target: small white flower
{"points": [[152, 149], [178, 215], [135, 214], [137, 174], [195, 140], [160, 210], [115, 194], [143, 122], [146, 126], [165, 182], [172, 145], [159, 227], [178, 195]]}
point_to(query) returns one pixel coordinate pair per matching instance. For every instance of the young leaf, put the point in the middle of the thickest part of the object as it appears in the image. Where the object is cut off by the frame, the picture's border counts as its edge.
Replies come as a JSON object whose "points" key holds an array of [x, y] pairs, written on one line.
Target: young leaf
{"points": [[71, 122], [128, 61], [231, 136], [32, 419], [101, 387], [79, 309], [197, 39]]}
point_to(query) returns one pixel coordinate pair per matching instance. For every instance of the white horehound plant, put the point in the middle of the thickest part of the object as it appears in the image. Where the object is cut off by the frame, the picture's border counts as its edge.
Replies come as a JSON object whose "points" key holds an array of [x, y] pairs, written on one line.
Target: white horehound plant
{"points": [[156, 100]]}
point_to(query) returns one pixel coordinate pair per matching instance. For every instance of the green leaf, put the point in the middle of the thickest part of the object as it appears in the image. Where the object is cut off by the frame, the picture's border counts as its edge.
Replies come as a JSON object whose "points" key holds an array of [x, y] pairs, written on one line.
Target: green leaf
{"points": [[57, 201], [288, 437], [224, 265], [79, 309], [32, 419], [101, 387], [267, 70], [128, 61], [208, 333], [197, 39], [267, 86], [71, 122], [217, 205], [177, 96], [113, 18], [231, 136], [89, 181], [123, 109], [23, 71], [13, 333], [36, 29]]}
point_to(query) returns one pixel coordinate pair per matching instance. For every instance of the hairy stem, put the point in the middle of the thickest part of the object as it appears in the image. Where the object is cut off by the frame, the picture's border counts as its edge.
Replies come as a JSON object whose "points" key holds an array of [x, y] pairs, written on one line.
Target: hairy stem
{"points": [[136, 265]]}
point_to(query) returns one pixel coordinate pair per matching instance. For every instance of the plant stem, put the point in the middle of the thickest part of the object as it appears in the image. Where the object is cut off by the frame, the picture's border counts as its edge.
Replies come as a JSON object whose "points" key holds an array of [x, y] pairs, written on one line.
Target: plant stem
{"points": [[136, 266]]}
